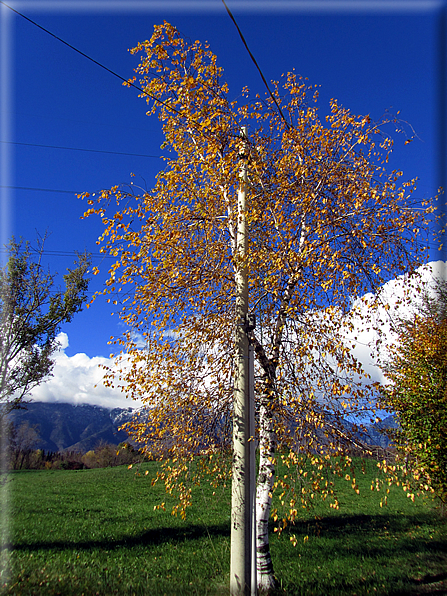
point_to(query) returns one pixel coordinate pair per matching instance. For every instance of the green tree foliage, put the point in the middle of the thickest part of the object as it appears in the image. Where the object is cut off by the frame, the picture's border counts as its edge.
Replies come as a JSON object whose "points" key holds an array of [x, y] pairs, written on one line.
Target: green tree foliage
{"points": [[31, 314], [417, 392]]}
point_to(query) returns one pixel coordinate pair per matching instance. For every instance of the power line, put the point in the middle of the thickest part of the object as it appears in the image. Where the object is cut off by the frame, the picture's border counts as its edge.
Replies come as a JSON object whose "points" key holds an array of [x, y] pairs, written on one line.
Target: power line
{"points": [[256, 64], [79, 149], [128, 83], [70, 192], [66, 253]]}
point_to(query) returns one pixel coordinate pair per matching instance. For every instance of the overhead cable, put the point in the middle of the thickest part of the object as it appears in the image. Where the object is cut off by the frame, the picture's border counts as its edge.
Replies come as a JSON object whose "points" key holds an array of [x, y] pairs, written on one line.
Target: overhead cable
{"points": [[64, 253], [71, 192], [256, 64], [80, 149], [129, 83]]}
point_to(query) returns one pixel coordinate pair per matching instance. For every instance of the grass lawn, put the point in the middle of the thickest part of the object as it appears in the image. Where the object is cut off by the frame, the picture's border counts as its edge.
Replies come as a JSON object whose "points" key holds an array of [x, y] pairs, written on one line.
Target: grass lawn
{"points": [[95, 532]]}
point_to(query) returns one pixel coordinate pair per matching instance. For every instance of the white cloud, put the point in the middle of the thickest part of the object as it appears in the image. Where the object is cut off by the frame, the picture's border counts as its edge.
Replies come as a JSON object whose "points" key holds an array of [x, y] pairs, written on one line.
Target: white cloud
{"points": [[399, 298], [62, 339], [79, 379]]}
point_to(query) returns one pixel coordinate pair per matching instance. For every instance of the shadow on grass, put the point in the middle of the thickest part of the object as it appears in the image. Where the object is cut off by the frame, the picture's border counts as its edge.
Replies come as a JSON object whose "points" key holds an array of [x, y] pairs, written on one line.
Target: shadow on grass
{"points": [[364, 531], [153, 537], [399, 545]]}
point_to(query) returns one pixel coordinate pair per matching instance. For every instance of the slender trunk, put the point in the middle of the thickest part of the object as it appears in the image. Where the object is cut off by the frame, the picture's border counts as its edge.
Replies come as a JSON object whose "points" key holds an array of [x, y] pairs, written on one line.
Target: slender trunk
{"points": [[267, 444], [266, 473]]}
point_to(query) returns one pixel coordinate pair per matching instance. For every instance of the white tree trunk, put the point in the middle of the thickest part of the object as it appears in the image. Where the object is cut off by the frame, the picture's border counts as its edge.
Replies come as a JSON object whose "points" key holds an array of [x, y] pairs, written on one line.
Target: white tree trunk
{"points": [[267, 446], [267, 442]]}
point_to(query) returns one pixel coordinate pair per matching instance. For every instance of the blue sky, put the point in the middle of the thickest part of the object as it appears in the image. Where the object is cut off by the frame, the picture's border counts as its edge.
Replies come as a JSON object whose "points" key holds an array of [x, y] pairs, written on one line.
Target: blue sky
{"points": [[371, 56]]}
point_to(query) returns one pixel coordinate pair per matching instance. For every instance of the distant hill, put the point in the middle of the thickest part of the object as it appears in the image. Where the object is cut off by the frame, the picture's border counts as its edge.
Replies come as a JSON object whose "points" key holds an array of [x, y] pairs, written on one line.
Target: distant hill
{"points": [[69, 427], [375, 434]]}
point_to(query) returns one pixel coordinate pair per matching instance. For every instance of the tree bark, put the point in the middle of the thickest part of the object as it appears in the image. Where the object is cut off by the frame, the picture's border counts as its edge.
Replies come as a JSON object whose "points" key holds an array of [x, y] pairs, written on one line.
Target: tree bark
{"points": [[267, 444]]}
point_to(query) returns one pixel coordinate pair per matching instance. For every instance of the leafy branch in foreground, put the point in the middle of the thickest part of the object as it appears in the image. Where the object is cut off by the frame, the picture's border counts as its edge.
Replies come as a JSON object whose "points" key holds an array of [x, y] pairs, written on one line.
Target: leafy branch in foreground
{"points": [[417, 393], [31, 314], [327, 224]]}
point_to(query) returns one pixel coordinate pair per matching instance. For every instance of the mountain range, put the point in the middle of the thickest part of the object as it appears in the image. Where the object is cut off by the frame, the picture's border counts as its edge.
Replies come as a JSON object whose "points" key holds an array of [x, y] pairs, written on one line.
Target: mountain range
{"points": [[71, 427]]}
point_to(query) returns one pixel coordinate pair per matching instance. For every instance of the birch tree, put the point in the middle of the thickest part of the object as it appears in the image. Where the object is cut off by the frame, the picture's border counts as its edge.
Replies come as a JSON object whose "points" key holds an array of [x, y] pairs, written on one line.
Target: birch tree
{"points": [[327, 223]]}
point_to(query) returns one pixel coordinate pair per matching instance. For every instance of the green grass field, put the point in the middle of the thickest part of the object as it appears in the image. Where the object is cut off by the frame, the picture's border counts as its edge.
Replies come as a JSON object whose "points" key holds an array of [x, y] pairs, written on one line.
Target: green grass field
{"points": [[95, 532]]}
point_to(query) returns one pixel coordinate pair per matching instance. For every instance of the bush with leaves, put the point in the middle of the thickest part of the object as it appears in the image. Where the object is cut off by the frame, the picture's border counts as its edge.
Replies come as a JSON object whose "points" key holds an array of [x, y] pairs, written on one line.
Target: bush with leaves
{"points": [[107, 455], [417, 393]]}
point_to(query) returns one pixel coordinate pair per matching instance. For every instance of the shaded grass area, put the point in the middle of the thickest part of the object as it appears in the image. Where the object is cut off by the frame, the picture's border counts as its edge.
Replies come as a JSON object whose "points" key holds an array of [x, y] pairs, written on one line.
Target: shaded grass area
{"points": [[364, 554], [364, 548], [95, 532]]}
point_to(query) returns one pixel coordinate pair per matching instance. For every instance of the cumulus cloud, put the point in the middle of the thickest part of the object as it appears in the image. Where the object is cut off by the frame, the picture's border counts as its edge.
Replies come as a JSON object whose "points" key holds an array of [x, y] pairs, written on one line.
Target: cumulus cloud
{"points": [[398, 298], [78, 379]]}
